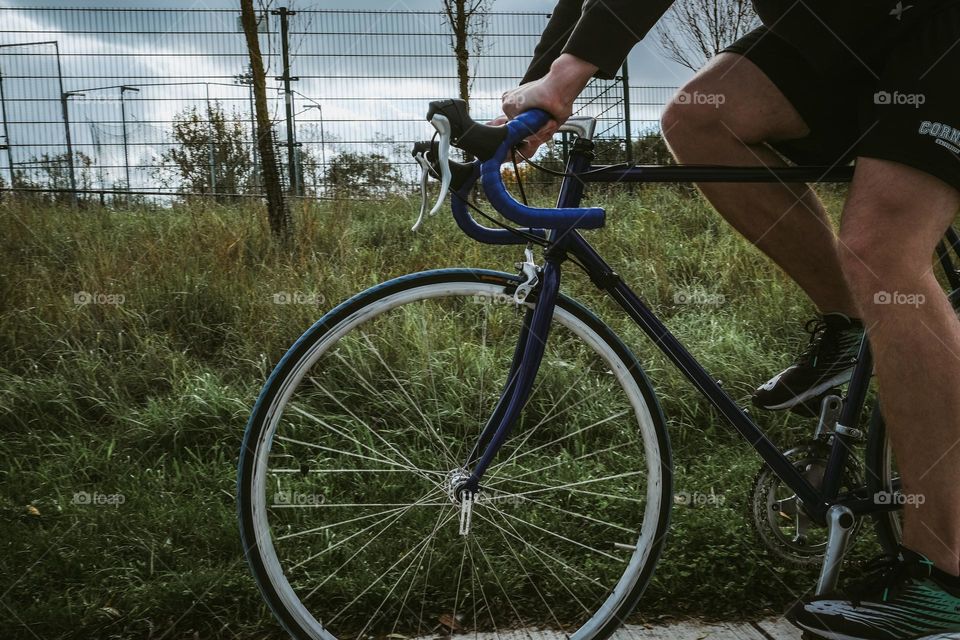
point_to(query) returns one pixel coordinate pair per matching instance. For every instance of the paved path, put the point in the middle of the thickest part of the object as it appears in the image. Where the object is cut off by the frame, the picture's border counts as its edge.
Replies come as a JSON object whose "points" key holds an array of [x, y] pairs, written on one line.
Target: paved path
{"points": [[692, 630], [771, 629]]}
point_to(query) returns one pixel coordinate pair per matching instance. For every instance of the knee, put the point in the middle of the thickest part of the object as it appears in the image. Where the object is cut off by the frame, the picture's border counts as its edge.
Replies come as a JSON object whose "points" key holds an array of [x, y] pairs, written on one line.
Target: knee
{"points": [[860, 258], [874, 259], [695, 113]]}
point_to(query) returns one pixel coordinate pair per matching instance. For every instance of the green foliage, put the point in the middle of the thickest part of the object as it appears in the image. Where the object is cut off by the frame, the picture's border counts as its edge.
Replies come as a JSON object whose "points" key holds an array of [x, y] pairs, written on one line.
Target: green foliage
{"points": [[148, 398], [210, 155], [651, 148], [52, 171], [361, 175]]}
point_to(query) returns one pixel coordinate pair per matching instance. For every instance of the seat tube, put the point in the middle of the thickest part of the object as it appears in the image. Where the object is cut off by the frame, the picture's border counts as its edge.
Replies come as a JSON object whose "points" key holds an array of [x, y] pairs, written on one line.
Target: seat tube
{"points": [[526, 373]]}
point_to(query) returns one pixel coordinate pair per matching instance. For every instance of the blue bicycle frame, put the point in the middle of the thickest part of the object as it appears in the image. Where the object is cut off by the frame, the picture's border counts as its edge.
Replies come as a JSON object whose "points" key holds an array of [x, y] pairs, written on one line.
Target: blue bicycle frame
{"points": [[564, 243]]}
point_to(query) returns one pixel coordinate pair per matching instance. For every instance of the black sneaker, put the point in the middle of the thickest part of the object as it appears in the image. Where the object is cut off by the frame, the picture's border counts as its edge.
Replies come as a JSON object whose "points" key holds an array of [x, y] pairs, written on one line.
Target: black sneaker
{"points": [[899, 598], [827, 361]]}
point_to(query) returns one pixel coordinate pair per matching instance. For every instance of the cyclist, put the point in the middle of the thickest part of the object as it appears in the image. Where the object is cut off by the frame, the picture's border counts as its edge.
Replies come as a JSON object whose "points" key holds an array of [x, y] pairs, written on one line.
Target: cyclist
{"points": [[826, 82]]}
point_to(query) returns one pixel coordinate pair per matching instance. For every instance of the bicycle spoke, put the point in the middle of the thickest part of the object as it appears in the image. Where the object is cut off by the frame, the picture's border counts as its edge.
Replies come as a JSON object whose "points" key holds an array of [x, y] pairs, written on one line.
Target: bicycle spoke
{"points": [[539, 553], [581, 458], [327, 527], [558, 440], [375, 393], [396, 517], [406, 596], [403, 390], [575, 514], [348, 436], [380, 577], [496, 577]]}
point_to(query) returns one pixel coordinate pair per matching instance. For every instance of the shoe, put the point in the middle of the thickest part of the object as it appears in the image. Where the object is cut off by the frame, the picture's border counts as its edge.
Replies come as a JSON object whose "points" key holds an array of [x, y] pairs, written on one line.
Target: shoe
{"points": [[827, 361], [900, 598]]}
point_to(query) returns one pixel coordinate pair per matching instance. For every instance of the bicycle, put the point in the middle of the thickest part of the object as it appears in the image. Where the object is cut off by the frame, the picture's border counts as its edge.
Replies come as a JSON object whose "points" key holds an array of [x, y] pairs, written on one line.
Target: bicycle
{"points": [[401, 507]]}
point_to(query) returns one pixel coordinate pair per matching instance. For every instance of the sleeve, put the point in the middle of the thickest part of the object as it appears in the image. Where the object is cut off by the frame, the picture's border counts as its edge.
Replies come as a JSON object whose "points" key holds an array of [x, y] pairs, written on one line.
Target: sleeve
{"points": [[602, 32]]}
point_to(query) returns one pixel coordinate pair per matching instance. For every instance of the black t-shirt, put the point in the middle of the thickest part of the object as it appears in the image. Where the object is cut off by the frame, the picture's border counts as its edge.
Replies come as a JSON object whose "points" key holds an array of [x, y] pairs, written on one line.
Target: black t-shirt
{"points": [[602, 32]]}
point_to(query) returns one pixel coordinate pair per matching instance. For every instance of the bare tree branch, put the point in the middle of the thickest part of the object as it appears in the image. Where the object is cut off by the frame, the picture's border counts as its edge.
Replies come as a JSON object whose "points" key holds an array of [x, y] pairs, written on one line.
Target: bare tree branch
{"points": [[467, 20], [693, 31]]}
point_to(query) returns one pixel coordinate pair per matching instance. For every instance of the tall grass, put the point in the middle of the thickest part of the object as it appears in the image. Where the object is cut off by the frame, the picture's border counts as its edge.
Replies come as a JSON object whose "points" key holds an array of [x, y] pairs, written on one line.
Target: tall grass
{"points": [[143, 402]]}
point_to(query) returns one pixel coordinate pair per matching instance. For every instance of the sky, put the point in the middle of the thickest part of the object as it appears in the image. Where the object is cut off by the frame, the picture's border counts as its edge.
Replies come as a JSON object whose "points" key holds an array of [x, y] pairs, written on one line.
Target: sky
{"points": [[104, 50], [648, 66]]}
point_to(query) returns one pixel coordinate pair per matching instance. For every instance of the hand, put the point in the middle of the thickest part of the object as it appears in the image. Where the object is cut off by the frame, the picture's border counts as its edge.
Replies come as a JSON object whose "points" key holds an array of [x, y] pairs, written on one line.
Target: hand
{"points": [[554, 93]]}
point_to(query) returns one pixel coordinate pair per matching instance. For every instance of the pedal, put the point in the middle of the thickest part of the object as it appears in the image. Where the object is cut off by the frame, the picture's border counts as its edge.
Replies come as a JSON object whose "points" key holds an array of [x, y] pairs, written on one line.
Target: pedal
{"points": [[811, 407]]}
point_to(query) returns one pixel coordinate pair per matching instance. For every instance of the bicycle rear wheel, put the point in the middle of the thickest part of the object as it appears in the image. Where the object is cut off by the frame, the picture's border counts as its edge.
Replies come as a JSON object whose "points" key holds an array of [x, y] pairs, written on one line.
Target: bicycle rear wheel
{"points": [[344, 498]]}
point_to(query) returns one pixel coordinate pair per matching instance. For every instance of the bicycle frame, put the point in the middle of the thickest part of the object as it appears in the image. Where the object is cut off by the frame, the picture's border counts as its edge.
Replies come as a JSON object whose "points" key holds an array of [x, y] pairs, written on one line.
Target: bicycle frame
{"points": [[534, 333]]}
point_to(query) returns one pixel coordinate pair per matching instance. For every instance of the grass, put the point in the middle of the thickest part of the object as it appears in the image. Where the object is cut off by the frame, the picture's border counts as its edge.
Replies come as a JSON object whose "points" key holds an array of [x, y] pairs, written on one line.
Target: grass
{"points": [[143, 403]]}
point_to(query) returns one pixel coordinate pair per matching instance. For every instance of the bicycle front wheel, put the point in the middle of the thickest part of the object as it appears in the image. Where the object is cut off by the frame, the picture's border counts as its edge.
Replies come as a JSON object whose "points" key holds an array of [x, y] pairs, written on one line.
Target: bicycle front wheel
{"points": [[344, 492]]}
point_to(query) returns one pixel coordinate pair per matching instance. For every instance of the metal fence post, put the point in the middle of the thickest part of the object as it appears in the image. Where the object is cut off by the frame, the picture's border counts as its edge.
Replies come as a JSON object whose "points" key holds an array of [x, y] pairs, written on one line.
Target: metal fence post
{"points": [[64, 97], [123, 120], [627, 135], [66, 128], [6, 132], [284, 13]]}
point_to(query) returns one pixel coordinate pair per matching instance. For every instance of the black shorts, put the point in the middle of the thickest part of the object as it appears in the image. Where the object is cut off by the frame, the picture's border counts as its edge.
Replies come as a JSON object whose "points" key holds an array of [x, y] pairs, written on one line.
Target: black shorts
{"points": [[903, 105]]}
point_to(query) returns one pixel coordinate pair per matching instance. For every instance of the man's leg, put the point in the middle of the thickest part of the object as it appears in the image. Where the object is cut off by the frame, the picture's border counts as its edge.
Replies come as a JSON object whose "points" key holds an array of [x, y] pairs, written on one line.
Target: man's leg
{"points": [[891, 223], [787, 222]]}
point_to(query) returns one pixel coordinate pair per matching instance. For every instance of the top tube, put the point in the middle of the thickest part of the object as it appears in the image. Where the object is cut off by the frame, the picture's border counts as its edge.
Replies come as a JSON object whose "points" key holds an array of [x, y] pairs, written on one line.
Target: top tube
{"points": [[584, 128], [716, 173]]}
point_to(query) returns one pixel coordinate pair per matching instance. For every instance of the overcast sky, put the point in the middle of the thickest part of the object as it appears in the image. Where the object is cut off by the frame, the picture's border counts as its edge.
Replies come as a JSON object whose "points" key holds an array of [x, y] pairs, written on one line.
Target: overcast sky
{"points": [[381, 93], [647, 64]]}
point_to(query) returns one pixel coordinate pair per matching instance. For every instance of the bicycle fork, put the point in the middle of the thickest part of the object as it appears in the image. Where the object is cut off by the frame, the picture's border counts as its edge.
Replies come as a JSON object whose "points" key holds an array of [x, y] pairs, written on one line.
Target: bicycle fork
{"points": [[523, 372]]}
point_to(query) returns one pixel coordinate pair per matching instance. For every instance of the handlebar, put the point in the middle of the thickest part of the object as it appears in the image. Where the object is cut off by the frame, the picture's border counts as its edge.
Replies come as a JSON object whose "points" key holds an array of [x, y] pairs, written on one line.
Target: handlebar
{"points": [[491, 145]]}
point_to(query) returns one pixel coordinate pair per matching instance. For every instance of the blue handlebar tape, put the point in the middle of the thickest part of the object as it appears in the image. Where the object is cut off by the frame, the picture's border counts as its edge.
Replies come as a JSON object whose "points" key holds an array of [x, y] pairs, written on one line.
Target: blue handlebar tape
{"points": [[523, 126], [474, 229]]}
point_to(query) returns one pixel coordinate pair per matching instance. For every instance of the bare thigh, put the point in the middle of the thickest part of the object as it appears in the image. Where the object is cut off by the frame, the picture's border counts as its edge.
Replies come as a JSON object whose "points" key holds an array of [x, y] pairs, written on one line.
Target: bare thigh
{"points": [[731, 96]]}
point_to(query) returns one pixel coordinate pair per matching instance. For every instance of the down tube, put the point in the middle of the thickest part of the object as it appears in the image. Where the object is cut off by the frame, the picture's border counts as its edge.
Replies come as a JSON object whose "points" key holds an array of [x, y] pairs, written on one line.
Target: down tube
{"points": [[702, 380]]}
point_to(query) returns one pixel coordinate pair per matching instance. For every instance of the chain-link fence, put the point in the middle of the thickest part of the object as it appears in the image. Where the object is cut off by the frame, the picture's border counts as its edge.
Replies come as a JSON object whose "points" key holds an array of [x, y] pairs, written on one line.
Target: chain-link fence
{"points": [[158, 101]]}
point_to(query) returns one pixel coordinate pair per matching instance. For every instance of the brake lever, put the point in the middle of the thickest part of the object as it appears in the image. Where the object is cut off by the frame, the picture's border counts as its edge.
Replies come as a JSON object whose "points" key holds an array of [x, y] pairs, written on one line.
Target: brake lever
{"points": [[442, 125], [425, 166]]}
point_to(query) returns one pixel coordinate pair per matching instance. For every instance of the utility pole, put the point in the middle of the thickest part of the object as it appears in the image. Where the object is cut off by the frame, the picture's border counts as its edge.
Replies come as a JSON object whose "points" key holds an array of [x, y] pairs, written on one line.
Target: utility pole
{"points": [[66, 129], [6, 132], [123, 119], [284, 13], [210, 136], [247, 79], [627, 135], [64, 97]]}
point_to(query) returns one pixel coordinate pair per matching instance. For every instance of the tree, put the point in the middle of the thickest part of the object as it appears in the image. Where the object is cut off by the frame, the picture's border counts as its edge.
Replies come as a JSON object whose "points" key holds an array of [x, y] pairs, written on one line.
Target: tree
{"points": [[361, 174], [467, 20], [693, 31], [210, 156], [52, 172], [278, 212]]}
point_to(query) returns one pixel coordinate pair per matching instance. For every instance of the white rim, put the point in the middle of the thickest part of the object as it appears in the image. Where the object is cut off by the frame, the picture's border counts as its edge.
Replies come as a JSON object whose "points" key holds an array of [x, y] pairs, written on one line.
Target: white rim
{"points": [[649, 527]]}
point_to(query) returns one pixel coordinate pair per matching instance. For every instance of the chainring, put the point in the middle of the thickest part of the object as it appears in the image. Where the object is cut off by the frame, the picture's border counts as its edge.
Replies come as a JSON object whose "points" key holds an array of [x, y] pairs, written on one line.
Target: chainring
{"points": [[778, 515]]}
